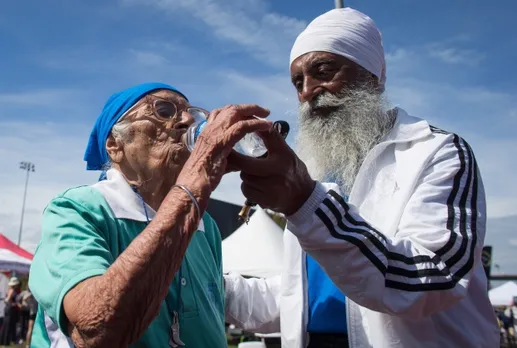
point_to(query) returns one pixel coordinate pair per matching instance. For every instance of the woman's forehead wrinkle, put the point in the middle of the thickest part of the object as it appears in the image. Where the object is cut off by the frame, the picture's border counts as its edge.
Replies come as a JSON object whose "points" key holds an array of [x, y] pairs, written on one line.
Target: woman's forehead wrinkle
{"points": [[139, 109]]}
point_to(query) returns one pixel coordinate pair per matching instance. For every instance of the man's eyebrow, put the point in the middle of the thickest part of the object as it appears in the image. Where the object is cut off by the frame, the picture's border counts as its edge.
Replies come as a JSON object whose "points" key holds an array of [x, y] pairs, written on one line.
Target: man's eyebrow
{"points": [[320, 61], [296, 76]]}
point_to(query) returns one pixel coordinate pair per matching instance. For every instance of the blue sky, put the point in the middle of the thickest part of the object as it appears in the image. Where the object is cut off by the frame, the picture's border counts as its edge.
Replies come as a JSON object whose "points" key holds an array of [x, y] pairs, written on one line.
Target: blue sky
{"points": [[452, 63]]}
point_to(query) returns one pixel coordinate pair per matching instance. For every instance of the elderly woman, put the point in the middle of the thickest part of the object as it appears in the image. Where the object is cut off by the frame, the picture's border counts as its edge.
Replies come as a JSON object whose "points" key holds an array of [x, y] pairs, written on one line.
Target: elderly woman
{"points": [[133, 260]]}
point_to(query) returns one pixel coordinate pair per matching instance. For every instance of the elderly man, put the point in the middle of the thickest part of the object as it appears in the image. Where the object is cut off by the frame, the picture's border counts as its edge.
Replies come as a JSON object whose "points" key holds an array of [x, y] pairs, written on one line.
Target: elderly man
{"points": [[133, 260], [387, 252]]}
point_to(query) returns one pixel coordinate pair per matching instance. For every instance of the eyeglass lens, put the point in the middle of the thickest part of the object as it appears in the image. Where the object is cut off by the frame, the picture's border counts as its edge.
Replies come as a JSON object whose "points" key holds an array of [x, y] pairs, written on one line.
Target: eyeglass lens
{"points": [[168, 110], [165, 109]]}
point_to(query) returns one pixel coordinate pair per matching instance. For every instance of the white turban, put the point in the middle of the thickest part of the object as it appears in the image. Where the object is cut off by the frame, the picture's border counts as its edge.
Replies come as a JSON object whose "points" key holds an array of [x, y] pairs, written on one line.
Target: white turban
{"points": [[348, 33]]}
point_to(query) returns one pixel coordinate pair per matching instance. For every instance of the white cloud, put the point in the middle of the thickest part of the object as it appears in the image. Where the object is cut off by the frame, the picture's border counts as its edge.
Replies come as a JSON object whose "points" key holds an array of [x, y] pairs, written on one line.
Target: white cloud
{"points": [[265, 35], [455, 55], [38, 98], [272, 91], [420, 59], [397, 56], [148, 58]]}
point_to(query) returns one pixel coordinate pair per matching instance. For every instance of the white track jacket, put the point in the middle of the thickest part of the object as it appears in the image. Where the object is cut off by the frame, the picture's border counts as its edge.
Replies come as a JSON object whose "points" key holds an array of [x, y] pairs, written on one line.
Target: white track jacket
{"points": [[405, 250]]}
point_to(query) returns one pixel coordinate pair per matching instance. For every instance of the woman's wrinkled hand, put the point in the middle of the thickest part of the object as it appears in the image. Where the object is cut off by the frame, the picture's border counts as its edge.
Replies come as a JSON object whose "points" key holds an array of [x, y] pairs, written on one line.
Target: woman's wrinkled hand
{"points": [[208, 161]]}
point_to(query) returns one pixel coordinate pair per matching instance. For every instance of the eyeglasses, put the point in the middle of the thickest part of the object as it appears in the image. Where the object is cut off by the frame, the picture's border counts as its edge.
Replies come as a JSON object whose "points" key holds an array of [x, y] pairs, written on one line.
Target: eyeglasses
{"points": [[165, 109]]}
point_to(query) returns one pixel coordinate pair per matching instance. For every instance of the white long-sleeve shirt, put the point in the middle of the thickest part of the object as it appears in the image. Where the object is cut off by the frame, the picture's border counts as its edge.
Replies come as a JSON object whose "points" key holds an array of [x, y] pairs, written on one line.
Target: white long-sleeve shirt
{"points": [[405, 250]]}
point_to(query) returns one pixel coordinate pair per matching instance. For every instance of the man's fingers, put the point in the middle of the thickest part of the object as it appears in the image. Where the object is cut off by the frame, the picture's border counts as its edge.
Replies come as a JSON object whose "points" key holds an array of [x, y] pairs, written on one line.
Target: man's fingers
{"points": [[260, 182], [245, 164], [252, 193], [277, 148], [274, 141], [238, 130], [257, 166], [251, 178], [230, 165], [258, 189]]}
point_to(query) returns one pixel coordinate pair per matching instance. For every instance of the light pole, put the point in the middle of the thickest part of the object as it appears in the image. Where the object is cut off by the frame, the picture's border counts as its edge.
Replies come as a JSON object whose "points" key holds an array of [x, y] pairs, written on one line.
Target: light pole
{"points": [[28, 167], [339, 3]]}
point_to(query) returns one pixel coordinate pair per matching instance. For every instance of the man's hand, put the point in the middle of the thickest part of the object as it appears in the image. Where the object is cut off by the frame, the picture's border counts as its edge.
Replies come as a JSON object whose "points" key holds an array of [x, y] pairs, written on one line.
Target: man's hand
{"points": [[280, 181]]}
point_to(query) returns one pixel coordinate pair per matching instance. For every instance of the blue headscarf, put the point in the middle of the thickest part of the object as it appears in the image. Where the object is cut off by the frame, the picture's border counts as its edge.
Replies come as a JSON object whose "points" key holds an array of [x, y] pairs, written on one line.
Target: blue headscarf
{"points": [[96, 155]]}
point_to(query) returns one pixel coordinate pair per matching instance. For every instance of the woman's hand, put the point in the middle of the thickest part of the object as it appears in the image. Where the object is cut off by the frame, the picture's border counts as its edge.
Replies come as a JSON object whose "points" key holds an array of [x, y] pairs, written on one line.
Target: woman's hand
{"points": [[208, 162]]}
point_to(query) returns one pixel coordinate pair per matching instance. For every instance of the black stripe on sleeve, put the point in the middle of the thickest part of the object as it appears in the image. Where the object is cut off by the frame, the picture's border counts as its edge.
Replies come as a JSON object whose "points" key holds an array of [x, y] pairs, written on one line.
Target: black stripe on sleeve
{"points": [[473, 217], [463, 252], [355, 241], [378, 241]]}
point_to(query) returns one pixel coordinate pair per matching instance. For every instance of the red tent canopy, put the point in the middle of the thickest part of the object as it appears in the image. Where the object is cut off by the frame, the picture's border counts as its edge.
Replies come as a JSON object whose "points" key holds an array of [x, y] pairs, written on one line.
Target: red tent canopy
{"points": [[5, 243], [12, 257]]}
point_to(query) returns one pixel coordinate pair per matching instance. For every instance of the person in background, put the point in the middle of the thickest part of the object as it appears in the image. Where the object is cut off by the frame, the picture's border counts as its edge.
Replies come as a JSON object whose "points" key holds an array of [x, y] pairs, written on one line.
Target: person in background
{"points": [[11, 313], [510, 322], [134, 259], [386, 213], [24, 315], [32, 306]]}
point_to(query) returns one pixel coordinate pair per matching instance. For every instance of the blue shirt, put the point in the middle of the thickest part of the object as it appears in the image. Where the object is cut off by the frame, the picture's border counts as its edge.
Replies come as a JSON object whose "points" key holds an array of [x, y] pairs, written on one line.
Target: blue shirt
{"points": [[327, 305]]}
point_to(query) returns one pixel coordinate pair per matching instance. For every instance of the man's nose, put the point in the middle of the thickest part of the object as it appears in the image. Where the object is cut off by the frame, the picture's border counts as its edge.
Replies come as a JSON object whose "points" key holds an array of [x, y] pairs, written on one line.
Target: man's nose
{"points": [[310, 90]]}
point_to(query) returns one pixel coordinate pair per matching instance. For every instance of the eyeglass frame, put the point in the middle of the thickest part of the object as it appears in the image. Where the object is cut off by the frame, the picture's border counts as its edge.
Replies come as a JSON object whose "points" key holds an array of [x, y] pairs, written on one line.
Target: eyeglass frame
{"points": [[151, 100]]}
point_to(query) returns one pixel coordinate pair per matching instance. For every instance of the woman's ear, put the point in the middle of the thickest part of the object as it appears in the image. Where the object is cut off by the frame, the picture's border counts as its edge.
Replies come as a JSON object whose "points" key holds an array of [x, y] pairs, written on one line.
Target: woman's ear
{"points": [[115, 149]]}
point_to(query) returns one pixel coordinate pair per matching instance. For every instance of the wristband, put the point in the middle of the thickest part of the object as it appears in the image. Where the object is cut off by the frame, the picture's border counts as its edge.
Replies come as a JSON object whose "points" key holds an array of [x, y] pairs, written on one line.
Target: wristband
{"points": [[192, 198]]}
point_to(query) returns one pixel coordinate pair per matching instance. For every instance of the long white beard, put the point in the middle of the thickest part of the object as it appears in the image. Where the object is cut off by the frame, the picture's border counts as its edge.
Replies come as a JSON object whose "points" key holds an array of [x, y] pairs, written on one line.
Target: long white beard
{"points": [[334, 146]]}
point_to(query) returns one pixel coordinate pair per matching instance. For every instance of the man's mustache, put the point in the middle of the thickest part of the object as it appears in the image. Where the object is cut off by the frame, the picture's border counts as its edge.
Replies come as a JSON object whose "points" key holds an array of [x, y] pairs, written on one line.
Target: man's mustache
{"points": [[320, 103]]}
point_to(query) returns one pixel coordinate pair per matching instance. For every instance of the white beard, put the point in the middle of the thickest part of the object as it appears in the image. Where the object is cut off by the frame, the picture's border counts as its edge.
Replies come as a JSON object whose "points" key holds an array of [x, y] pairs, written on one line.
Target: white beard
{"points": [[334, 146]]}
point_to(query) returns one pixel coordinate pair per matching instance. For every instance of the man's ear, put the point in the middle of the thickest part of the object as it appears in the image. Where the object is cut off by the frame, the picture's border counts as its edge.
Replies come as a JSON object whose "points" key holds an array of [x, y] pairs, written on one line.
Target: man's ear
{"points": [[115, 149]]}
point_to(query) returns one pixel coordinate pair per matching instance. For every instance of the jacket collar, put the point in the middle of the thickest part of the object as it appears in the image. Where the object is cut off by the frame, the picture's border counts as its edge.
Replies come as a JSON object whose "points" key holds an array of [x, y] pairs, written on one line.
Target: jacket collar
{"points": [[407, 128], [123, 201]]}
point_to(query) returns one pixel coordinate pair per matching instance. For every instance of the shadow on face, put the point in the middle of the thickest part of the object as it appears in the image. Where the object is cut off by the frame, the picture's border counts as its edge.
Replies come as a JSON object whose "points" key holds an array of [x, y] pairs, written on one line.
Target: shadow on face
{"points": [[318, 72]]}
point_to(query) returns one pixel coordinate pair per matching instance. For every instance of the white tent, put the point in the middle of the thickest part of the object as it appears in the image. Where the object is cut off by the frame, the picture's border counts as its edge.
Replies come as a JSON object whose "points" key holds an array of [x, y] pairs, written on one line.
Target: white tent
{"points": [[4, 280], [503, 295], [256, 249]]}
